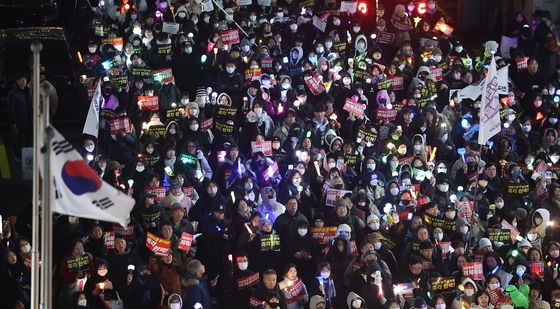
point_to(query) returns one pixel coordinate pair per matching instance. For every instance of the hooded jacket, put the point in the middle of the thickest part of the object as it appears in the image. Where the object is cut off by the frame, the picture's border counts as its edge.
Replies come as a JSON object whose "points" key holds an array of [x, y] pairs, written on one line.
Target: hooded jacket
{"points": [[352, 296], [269, 205]]}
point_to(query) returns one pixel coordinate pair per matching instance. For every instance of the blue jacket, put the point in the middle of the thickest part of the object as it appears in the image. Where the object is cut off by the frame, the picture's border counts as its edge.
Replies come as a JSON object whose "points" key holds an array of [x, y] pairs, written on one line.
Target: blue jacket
{"points": [[196, 291], [19, 107]]}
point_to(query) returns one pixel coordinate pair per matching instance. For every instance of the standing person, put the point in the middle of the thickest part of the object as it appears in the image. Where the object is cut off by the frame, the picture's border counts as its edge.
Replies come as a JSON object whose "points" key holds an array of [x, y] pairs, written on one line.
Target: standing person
{"points": [[293, 288], [196, 287], [20, 112]]}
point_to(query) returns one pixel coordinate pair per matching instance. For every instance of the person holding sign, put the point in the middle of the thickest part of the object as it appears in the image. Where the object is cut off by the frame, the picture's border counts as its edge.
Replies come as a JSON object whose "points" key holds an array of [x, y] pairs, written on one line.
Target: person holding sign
{"points": [[121, 143], [76, 266], [294, 290]]}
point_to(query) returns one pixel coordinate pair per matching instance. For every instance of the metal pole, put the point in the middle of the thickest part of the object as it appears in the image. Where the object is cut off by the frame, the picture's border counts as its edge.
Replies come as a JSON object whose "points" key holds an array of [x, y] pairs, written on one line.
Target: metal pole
{"points": [[36, 48], [46, 218]]}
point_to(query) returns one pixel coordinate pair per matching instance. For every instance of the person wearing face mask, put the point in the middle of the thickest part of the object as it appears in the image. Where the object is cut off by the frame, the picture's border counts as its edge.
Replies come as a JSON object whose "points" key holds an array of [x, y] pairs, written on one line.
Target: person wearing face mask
{"points": [[327, 286], [464, 233], [93, 288], [392, 195], [268, 294], [238, 291], [187, 67], [230, 81], [442, 191], [293, 288], [467, 296], [140, 176], [383, 252], [527, 140]]}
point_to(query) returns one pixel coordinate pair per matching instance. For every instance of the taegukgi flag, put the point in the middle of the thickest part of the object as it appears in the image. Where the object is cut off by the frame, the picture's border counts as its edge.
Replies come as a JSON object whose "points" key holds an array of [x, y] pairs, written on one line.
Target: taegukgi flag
{"points": [[76, 189], [490, 123]]}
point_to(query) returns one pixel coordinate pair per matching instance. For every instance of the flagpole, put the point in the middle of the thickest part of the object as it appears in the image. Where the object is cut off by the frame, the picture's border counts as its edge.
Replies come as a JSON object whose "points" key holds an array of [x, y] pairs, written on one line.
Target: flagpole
{"points": [[46, 218], [36, 48]]}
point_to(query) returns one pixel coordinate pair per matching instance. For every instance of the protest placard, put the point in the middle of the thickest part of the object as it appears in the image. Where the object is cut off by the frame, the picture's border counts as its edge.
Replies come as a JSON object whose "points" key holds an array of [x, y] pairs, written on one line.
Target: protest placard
{"points": [[109, 239], [443, 28], [148, 102], [441, 222], [158, 245], [386, 114], [185, 242], [159, 192], [442, 285], [334, 195], [78, 263], [119, 125], [206, 124], [473, 270], [295, 292], [354, 107], [323, 235], [385, 38], [501, 235], [270, 242], [230, 36], [348, 6], [171, 28], [141, 72], [116, 42], [315, 85], [398, 82]]}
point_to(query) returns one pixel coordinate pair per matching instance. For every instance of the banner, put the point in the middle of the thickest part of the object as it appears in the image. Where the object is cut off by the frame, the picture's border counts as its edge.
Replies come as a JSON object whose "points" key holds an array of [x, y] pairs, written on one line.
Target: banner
{"points": [[522, 63], [206, 124], [118, 81], [366, 136], [295, 291], [501, 235], [385, 38], [385, 84], [441, 285], [334, 195], [386, 114], [490, 106], [120, 125], [323, 235], [315, 85], [354, 107], [159, 192], [473, 270], [230, 36], [443, 223], [185, 242], [518, 189], [76, 264], [148, 102], [226, 111], [537, 268], [171, 28], [262, 146], [247, 282], [398, 82], [141, 72], [465, 210], [252, 74], [91, 126], [116, 42], [266, 63], [437, 72], [514, 231], [77, 190], [270, 242], [158, 245], [109, 239], [496, 295], [224, 128], [163, 75]]}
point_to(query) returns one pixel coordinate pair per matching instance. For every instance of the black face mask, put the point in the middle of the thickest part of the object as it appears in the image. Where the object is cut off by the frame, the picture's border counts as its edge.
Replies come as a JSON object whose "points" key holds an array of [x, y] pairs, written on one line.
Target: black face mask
{"points": [[405, 202], [274, 305], [339, 187], [145, 277], [471, 165]]}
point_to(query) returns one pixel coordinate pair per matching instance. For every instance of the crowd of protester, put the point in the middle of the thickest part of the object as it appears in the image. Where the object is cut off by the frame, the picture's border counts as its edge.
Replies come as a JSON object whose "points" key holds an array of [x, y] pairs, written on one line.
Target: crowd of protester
{"points": [[308, 167]]}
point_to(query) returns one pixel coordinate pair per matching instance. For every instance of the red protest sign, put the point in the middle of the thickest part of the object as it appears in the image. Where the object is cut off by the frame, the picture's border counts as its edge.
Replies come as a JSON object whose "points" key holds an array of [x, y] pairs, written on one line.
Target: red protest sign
{"points": [[466, 210], [266, 63], [522, 63], [295, 291], [495, 296], [185, 242], [248, 281], [353, 247], [315, 85], [148, 102], [323, 235], [252, 74], [334, 195], [206, 124], [159, 192], [537, 268], [119, 125], [158, 245], [354, 107], [385, 38], [473, 270], [444, 28], [445, 248], [437, 72], [262, 146], [116, 42], [188, 191], [230, 36], [386, 114], [398, 82], [109, 239]]}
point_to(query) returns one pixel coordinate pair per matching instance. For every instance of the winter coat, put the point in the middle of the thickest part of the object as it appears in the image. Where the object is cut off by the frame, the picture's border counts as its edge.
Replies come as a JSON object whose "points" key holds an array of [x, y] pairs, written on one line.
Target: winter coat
{"points": [[196, 291]]}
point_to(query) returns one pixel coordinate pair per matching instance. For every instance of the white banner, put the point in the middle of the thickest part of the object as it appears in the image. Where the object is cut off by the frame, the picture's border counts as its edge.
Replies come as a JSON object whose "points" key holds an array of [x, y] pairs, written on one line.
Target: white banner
{"points": [[474, 91], [490, 123], [91, 126], [76, 189]]}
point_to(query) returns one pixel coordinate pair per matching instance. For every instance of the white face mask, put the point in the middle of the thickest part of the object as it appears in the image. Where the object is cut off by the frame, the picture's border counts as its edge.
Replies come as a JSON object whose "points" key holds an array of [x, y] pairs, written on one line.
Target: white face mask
{"points": [[172, 131], [212, 191], [230, 70], [302, 232], [377, 245], [469, 292], [357, 29], [336, 22], [188, 50], [193, 127], [357, 303], [394, 191], [92, 49], [442, 170], [464, 230], [406, 181], [494, 286], [437, 58], [511, 117], [206, 19], [245, 48], [243, 265], [450, 214], [553, 121], [361, 45], [371, 166], [374, 226], [90, 148], [319, 50], [531, 237], [499, 205], [443, 188], [286, 85], [459, 49], [328, 44], [293, 27], [526, 128], [174, 306], [82, 302], [346, 81], [438, 236], [140, 168], [280, 14], [440, 306], [422, 129], [325, 274]]}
